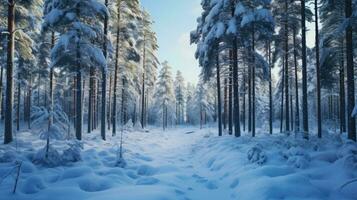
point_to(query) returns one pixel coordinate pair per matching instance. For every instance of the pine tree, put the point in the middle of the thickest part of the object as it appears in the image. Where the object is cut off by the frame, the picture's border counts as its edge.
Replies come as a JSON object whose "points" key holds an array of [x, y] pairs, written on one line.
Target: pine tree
{"points": [[71, 19]]}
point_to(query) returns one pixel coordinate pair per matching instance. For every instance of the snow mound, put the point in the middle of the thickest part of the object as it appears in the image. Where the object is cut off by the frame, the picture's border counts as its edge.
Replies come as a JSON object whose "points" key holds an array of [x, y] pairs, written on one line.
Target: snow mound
{"points": [[257, 155]]}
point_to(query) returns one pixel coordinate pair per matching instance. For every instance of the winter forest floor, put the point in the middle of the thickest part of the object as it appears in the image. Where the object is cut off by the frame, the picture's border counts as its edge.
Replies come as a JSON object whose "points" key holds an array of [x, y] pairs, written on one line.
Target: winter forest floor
{"points": [[185, 163]]}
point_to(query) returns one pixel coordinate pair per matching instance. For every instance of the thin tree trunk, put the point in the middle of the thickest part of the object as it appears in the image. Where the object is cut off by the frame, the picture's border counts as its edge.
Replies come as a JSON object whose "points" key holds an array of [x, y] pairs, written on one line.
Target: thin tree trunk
{"points": [[286, 32], [104, 78], [270, 91], [9, 72], [304, 73], [225, 114], [79, 86], [18, 101], [1, 91], [116, 73], [143, 85], [219, 114], [342, 92], [318, 82], [109, 118], [230, 88], [350, 74], [236, 89], [282, 98], [29, 103], [297, 111], [253, 83]]}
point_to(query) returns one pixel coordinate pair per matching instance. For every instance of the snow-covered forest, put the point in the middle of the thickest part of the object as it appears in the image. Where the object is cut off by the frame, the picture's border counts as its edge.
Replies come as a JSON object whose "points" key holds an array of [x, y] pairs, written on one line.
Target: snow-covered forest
{"points": [[88, 110]]}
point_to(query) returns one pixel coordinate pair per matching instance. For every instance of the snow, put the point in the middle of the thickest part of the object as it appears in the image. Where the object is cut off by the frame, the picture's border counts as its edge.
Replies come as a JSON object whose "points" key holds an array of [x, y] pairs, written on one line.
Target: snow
{"points": [[183, 163]]}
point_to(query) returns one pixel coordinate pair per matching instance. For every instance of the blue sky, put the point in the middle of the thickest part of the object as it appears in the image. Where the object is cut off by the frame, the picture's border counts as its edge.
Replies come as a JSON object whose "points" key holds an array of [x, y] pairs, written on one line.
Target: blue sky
{"points": [[174, 20]]}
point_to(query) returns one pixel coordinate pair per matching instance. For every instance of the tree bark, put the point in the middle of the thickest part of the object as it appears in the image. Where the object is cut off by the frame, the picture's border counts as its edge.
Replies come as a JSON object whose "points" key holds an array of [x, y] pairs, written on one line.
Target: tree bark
{"points": [[297, 110], [270, 91], [236, 89], [219, 109], [9, 72], [143, 85], [304, 73], [253, 83], [104, 78], [286, 32], [350, 74], [318, 82], [230, 103], [342, 92]]}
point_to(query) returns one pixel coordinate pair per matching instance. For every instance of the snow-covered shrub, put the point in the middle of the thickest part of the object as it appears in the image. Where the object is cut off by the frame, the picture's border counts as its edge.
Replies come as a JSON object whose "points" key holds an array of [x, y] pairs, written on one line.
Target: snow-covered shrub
{"points": [[40, 117], [51, 159], [348, 154], [256, 155], [7, 156], [55, 158], [129, 125], [297, 157], [73, 153]]}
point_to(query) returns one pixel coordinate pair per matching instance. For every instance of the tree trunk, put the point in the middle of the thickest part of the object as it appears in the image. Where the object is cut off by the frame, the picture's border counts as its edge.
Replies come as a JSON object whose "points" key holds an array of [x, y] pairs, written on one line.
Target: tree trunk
{"points": [[286, 32], [350, 74], [230, 88], [304, 73], [225, 104], [1, 91], [90, 102], [297, 111], [253, 83], [236, 89], [29, 104], [114, 120], [18, 101], [282, 99], [318, 82], [219, 108], [79, 86], [109, 111], [104, 78], [143, 85], [9, 72], [342, 92], [270, 91]]}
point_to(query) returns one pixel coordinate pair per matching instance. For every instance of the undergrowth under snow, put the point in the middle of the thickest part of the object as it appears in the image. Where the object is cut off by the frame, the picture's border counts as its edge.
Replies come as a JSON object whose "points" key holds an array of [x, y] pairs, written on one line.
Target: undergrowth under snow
{"points": [[183, 163]]}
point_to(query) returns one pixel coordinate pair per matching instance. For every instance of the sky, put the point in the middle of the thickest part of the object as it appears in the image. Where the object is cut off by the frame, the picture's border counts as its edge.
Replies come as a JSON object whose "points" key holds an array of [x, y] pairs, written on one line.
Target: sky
{"points": [[174, 20]]}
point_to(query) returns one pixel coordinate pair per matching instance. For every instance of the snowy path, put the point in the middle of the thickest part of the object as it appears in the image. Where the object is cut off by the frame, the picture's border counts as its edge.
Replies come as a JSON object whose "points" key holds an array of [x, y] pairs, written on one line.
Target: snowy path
{"points": [[174, 165]]}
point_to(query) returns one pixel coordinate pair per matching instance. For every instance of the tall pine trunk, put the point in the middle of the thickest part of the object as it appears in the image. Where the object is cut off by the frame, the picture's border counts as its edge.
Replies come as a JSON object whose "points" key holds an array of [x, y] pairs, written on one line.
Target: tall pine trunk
{"points": [[114, 120], [219, 109], [143, 85], [78, 96], [104, 78], [297, 111], [236, 89], [9, 72], [253, 83], [342, 92], [230, 100], [270, 91], [318, 82], [305, 115], [350, 74], [286, 38], [225, 114]]}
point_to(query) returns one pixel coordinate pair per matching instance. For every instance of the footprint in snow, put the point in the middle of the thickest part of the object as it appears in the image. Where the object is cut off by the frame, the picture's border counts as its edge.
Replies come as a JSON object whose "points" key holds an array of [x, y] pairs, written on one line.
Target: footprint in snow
{"points": [[211, 185], [147, 181]]}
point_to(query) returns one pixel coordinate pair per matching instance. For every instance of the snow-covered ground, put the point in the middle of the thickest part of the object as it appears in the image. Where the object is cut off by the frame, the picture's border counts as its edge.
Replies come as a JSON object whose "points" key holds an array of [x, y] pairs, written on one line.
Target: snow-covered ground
{"points": [[185, 163]]}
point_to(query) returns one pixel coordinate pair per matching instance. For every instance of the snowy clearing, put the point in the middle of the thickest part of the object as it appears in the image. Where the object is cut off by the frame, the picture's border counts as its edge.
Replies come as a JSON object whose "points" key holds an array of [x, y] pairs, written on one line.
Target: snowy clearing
{"points": [[187, 163]]}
